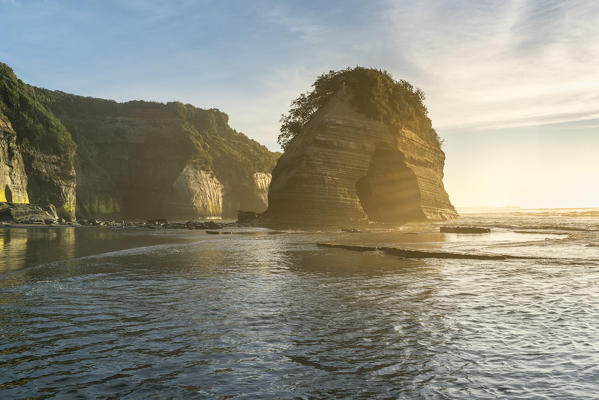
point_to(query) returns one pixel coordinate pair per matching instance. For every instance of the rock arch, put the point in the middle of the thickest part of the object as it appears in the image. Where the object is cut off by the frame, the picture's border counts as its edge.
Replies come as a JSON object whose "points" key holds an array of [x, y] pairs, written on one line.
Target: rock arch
{"points": [[389, 192]]}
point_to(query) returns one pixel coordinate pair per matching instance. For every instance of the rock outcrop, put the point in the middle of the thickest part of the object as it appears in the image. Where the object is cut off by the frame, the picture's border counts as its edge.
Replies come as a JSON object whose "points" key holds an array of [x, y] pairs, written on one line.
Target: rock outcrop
{"points": [[197, 193], [103, 159], [345, 168], [51, 181], [13, 179], [27, 214]]}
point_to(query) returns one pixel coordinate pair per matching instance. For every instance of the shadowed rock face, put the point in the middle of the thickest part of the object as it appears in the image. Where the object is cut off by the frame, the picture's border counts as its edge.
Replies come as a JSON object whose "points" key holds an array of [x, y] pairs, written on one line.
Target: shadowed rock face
{"points": [[51, 181], [100, 158], [389, 192], [141, 160], [345, 168]]}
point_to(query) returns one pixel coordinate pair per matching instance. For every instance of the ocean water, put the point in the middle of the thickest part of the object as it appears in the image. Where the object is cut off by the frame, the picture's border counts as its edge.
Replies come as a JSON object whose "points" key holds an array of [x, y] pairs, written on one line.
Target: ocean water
{"points": [[107, 313]]}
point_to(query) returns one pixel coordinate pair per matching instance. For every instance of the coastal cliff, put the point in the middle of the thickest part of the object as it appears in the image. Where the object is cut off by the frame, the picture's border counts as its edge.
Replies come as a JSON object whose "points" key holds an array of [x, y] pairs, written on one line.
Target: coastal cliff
{"points": [[128, 160], [344, 167], [38, 144]]}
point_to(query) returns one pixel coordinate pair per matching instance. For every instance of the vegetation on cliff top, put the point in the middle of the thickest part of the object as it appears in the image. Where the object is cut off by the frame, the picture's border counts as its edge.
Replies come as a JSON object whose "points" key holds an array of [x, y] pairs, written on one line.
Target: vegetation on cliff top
{"points": [[373, 92], [216, 143], [37, 128], [39, 117]]}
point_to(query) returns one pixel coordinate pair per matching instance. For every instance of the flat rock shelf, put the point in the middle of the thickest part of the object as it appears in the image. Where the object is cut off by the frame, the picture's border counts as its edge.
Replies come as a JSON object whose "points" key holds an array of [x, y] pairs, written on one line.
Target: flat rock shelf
{"points": [[405, 253]]}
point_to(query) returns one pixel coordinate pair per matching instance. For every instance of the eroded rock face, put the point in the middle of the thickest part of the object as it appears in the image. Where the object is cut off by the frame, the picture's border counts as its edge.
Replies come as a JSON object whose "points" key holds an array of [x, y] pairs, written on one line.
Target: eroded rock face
{"points": [[261, 183], [27, 214], [345, 168], [13, 179], [51, 182], [197, 193]]}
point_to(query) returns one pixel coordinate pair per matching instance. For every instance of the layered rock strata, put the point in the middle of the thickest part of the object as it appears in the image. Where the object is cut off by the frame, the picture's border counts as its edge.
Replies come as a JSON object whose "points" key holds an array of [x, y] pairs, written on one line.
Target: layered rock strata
{"points": [[344, 168]]}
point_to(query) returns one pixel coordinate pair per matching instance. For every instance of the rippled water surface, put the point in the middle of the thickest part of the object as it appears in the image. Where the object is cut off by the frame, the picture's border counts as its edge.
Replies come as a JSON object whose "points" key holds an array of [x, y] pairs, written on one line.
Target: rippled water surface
{"points": [[95, 312]]}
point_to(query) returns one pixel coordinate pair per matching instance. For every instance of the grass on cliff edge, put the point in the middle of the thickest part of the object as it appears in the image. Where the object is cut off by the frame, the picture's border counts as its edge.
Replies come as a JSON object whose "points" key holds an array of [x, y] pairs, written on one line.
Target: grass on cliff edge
{"points": [[373, 92], [36, 127]]}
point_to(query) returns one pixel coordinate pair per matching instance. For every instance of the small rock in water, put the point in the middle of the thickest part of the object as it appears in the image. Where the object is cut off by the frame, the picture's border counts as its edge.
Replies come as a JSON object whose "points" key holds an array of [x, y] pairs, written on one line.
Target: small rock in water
{"points": [[212, 225], [463, 229]]}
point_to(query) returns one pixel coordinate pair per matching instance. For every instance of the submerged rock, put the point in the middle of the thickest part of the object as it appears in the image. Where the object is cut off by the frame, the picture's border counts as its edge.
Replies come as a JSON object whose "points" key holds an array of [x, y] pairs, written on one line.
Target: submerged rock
{"points": [[463, 229], [409, 253]]}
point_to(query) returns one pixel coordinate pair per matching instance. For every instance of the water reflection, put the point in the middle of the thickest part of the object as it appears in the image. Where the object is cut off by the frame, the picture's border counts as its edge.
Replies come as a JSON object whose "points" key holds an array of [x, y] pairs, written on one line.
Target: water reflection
{"points": [[189, 315], [24, 247]]}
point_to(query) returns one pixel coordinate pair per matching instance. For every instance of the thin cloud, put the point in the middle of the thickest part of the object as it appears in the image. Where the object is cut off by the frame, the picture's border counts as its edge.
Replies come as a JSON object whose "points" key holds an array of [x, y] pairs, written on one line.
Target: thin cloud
{"points": [[481, 63]]}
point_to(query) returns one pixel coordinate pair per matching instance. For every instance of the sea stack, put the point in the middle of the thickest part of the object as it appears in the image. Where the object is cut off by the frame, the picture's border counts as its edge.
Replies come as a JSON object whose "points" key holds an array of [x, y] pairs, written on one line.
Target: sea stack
{"points": [[356, 158]]}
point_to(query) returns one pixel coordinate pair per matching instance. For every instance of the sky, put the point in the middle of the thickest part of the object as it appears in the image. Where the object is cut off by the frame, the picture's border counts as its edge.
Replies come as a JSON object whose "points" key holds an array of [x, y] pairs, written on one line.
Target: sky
{"points": [[511, 86]]}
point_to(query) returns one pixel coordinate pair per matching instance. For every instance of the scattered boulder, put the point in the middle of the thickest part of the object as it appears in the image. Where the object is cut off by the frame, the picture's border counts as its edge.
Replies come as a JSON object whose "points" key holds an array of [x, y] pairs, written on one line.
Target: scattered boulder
{"points": [[203, 225], [244, 217], [175, 225], [158, 221], [212, 225], [25, 214]]}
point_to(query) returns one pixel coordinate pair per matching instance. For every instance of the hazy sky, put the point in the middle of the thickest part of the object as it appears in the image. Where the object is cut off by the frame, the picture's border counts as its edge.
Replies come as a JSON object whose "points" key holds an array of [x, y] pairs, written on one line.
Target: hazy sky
{"points": [[512, 86]]}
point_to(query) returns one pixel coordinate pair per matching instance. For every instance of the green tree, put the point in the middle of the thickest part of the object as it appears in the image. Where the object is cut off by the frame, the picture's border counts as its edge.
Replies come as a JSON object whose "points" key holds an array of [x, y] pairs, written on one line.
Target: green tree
{"points": [[373, 92]]}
